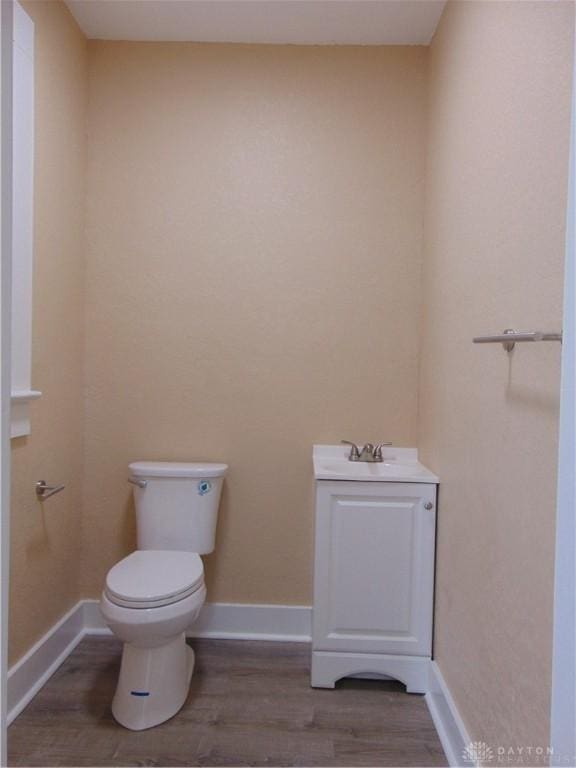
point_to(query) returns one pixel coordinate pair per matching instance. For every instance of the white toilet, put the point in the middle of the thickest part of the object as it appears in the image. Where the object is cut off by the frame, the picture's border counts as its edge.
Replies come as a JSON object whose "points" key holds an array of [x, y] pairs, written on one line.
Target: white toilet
{"points": [[155, 594]]}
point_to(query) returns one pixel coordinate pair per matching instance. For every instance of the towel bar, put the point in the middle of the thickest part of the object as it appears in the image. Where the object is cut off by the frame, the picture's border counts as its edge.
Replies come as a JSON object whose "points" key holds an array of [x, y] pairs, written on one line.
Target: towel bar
{"points": [[509, 337]]}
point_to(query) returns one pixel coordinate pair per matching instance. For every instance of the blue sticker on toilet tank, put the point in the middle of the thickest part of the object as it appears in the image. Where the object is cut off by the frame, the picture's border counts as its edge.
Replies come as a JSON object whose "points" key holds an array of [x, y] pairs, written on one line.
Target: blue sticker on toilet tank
{"points": [[204, 487]]}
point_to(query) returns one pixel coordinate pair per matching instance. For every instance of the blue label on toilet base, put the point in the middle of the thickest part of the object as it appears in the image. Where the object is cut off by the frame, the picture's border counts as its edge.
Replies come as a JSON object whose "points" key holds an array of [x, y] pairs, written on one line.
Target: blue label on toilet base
{"points": [[139, 693]]}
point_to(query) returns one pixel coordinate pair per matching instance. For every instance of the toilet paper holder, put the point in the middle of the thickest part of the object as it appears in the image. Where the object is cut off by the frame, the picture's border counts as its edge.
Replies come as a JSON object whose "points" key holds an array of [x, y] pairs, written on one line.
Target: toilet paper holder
{"points": [[44, 491]]}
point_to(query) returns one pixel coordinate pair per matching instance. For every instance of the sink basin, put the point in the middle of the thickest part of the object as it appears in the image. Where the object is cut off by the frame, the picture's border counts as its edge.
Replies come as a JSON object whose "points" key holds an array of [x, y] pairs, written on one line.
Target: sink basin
{"points": [[400, 465]]}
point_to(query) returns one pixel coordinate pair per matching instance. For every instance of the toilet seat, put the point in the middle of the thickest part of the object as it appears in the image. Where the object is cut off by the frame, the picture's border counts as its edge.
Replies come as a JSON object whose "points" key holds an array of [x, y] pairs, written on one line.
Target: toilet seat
{"points": [[153, 578]]}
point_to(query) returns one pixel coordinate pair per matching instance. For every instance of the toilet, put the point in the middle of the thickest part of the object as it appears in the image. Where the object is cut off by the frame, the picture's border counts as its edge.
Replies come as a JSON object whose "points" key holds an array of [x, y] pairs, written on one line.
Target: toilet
{"points": [[155, 594]]}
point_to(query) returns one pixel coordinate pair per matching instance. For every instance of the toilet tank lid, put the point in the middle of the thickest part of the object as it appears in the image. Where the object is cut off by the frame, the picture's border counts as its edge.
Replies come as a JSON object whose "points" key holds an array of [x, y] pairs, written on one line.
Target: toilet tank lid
{"points": [[176, 469]]}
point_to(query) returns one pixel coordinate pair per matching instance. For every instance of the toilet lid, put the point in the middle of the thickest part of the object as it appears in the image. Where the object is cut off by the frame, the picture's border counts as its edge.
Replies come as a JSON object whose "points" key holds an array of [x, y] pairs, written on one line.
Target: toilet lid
{"points": [[177, 469], [149, 576]]}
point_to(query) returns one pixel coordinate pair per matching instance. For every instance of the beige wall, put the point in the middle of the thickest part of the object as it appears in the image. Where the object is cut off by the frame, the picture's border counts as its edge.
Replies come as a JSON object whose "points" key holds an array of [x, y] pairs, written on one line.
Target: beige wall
{"points": [[45, 539], [254, 239], [494, 238], [254, 257]]}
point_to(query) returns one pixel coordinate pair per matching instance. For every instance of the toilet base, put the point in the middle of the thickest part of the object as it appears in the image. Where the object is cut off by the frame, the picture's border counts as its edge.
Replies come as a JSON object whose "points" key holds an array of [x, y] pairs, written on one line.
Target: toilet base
{"points": [[153, 683]]}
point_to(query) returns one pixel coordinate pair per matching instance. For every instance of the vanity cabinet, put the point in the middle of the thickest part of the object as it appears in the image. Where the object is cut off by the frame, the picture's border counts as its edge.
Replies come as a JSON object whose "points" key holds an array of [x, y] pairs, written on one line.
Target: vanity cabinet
{"points": [[373, 581]]}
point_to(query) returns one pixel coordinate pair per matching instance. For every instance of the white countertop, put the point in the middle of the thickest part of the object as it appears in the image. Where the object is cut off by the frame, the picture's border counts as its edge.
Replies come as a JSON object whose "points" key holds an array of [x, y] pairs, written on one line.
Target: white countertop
{"points": [[400, 465]]}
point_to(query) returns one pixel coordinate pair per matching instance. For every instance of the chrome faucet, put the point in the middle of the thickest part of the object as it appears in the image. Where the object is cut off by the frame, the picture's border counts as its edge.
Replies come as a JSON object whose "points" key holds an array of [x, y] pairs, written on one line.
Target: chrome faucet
{"points": [[369, 453]]}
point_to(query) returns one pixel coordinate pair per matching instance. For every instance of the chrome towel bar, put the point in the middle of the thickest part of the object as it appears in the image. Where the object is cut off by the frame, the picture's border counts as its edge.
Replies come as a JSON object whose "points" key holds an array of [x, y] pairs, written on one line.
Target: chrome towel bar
{"points": [[509, 337]]}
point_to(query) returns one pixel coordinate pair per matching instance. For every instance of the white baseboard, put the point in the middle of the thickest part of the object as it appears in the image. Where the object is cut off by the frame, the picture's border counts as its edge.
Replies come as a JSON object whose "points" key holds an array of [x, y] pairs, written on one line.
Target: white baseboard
{"points": [[232, 621], [92, 618], [30, 673], [238, 621], [291, 623], [449, 725]]}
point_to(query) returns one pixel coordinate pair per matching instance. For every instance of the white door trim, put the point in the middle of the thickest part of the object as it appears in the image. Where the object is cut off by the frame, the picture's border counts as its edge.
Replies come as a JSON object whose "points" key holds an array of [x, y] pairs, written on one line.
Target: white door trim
{"points": [[6, 11], [563, 709]]}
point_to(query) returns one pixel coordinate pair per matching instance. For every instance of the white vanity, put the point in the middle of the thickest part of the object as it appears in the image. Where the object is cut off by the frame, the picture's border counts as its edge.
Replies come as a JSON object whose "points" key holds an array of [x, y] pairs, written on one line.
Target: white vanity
{"points": [[373, 567]]}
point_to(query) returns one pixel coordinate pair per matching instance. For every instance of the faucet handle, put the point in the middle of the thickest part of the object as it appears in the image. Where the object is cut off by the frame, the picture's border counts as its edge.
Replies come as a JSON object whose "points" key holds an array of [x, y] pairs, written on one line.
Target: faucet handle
{"points": [[354, 450], [377, 453]]}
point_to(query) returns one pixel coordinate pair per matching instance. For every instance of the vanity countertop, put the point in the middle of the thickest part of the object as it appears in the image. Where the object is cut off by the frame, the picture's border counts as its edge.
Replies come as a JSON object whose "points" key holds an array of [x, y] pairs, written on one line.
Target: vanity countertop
{"points": [[399, 465]]}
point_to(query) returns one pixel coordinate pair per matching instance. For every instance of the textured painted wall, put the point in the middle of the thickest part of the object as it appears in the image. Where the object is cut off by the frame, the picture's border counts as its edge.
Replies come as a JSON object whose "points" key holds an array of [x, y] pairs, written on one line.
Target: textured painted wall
{"points": [[253, 286], [497, 165], [45, 539]]}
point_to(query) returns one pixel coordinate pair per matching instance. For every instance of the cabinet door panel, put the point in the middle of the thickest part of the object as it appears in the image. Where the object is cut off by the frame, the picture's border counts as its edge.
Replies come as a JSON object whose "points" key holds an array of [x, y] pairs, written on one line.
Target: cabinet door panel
{"points": [[374, 568]]}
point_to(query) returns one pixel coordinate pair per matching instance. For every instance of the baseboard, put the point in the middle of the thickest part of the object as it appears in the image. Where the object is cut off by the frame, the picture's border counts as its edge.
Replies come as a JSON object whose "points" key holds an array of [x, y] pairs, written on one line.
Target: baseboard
{"points": [[241, 621], [30, 673], [232, 621], [92, 618], [290, 623], [449, 725]]}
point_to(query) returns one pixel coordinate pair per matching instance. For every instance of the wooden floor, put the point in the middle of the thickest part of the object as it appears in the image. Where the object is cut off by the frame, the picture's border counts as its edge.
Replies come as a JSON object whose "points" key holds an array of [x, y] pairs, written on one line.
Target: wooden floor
{"points": [[250, 704]]}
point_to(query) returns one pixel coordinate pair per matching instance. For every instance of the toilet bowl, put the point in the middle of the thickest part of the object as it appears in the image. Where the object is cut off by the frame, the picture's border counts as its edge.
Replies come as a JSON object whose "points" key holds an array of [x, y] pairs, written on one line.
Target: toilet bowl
{"points": [[155, 594], [150, 599]]}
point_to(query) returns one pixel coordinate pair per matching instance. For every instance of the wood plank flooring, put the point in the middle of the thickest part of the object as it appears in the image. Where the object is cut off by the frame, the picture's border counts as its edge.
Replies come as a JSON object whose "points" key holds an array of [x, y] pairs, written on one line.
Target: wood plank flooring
{"points": [[250, 704]]}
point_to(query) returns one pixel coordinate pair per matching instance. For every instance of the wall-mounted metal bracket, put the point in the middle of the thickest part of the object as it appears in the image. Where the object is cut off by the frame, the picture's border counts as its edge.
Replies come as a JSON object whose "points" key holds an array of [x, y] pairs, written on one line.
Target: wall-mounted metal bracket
{"points": [[509, 337], [44, 491]]}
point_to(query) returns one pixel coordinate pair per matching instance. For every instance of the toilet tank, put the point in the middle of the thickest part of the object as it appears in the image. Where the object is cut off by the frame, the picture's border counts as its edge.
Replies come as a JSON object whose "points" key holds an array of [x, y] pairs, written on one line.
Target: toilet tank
{"points": [[177, 504]]}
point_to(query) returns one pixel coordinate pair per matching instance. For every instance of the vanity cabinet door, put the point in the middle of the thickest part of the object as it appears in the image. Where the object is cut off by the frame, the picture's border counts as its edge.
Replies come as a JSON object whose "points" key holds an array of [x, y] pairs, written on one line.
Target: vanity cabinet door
{"points": [[374, 567]]}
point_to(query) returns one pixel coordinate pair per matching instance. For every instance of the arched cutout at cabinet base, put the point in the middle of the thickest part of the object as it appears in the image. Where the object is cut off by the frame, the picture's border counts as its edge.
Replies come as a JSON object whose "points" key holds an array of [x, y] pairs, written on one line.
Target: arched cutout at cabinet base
{"points": [[329, 667]]}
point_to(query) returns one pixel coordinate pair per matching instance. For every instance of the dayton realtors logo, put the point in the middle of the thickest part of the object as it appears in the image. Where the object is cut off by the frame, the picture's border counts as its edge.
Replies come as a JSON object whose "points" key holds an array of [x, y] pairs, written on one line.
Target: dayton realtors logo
{"points": [[477, 752]]}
